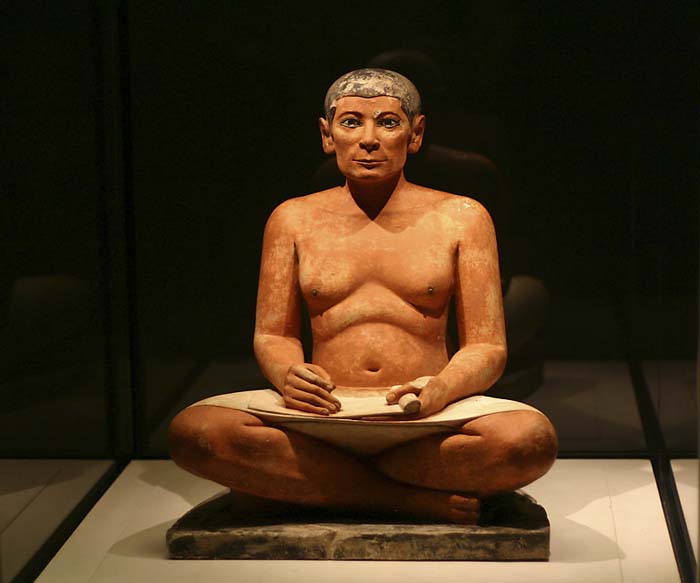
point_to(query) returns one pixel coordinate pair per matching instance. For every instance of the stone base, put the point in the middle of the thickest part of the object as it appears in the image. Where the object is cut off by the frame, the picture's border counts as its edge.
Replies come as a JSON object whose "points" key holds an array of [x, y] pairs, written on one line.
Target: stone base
{"points": [[512, 528]]}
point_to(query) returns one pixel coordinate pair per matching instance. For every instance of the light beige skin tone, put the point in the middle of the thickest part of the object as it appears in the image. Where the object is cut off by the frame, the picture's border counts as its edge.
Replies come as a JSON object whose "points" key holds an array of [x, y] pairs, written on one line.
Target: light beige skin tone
{"points": [[377, 262]]}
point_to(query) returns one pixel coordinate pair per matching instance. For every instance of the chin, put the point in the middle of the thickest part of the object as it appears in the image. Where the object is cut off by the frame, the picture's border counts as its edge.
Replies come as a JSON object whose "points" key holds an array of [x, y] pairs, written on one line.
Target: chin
{"points": [[365, 176]]}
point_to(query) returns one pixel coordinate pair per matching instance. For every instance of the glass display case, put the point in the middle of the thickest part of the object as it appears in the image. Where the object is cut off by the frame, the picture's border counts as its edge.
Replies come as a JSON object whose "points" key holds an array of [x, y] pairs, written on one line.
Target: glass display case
{"points": [[146, 144]]}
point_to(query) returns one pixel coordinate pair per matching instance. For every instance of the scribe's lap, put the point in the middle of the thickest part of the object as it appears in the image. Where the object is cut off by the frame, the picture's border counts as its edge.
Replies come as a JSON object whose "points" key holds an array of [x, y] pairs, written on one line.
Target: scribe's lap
{"points": [[490, 454]]}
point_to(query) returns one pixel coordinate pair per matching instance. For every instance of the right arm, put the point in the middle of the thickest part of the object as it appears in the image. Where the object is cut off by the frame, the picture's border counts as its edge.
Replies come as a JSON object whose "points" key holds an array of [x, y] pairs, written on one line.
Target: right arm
{"points": [[277, 342]]}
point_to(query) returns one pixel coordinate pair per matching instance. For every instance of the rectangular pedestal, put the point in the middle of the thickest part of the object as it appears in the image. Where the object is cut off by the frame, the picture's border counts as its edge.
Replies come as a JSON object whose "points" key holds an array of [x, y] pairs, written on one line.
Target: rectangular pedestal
{"points": [[513, 528]]}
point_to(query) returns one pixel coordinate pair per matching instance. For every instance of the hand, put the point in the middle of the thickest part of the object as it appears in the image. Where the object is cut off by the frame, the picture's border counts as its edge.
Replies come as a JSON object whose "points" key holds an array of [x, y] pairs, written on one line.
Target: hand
{"points": [[431, 391], [307, 387]]}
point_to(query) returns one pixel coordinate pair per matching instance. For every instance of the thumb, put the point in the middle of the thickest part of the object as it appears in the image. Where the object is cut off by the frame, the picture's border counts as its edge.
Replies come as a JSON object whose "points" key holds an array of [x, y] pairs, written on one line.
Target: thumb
{"points": [[398, 391], [415, 386]]}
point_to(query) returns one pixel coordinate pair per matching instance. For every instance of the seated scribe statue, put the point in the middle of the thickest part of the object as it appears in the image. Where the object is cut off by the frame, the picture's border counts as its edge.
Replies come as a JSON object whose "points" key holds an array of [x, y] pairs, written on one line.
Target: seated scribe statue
{"points": [[377, 262]]}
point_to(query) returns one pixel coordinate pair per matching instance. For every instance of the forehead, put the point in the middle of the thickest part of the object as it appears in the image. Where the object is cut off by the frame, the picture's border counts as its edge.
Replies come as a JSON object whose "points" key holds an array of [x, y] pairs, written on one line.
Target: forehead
{"points": [[370, 105]]}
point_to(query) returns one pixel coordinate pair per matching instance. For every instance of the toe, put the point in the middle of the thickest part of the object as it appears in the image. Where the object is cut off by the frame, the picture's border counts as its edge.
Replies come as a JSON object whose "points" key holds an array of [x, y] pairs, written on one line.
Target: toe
{"points": [[466, 503]]}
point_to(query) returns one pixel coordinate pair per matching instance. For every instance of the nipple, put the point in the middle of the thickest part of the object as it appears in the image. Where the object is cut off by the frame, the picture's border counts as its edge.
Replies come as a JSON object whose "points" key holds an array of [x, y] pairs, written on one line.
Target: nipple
{"points": [[431, 290], [314, 292]]}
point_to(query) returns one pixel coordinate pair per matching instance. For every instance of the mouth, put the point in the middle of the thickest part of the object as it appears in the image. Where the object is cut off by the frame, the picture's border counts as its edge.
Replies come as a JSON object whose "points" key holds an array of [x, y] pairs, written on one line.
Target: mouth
{"points": [[368, 162]]}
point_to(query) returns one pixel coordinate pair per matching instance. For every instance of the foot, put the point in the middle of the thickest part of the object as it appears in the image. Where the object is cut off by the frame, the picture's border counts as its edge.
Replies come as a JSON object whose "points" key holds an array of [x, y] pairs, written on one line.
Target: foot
{"points": [[441, 506], [420, 504]]}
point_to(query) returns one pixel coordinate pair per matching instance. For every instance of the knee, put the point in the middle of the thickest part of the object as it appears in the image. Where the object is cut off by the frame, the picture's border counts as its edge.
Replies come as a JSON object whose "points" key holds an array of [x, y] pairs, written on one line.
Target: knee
{"points": [[527, 449], [192, 437], [199, 435], [537, 443]]}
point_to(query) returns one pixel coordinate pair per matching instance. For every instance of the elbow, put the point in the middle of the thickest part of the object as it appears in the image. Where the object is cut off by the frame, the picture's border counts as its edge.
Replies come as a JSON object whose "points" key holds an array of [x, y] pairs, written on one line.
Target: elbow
{"points": [[500, 357], [259, 344]]}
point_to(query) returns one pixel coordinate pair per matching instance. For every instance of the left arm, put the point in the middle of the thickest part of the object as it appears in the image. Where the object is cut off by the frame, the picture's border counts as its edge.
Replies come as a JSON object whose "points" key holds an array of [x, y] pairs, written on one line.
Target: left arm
{"points": [[481, 357]]}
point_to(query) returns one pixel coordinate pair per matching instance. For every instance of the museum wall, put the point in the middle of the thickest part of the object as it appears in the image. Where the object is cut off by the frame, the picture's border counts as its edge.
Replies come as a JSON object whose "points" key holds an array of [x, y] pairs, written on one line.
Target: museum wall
{"points": [[146, 143]]}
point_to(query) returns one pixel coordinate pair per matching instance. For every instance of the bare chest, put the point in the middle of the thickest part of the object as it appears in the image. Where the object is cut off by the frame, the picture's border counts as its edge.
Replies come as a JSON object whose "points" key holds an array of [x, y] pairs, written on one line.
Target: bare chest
{"points": [[416, 263]]}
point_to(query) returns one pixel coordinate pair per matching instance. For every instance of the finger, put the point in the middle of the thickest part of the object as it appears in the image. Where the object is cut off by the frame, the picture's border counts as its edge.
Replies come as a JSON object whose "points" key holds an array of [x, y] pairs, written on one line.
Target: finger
{"points": [[310, 398], [302, 385], [292, 403], [398, 391], [320, 371], [312, 377]]}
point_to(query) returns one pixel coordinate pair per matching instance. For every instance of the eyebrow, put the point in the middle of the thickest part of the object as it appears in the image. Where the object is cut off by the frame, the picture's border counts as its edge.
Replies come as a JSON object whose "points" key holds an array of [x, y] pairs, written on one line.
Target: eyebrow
{"points": [[360, 114]]}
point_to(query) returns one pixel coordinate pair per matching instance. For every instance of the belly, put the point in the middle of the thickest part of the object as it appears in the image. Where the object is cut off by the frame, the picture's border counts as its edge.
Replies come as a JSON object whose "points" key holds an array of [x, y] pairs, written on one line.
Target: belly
{"points": [[375, 354]]}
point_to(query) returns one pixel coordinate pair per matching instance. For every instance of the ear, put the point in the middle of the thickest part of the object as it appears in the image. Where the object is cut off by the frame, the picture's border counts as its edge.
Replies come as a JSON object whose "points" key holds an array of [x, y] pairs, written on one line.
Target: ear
{"points": [[326, 137], [417, 131]]}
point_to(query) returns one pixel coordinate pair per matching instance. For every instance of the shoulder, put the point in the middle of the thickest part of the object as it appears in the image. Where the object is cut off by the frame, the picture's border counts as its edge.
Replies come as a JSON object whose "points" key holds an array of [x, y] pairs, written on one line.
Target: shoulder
{"points": [[456, 208], [462, 216], [472, 222], [294, 213], [465, 209]]}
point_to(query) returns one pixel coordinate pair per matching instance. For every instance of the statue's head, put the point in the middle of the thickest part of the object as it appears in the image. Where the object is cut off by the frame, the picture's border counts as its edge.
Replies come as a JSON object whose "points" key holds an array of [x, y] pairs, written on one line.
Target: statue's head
{"points": [[374, 83], [373, 121]]}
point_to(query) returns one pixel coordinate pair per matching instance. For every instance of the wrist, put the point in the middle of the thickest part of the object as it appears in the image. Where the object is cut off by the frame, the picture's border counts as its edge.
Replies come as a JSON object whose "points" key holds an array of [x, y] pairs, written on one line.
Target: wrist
{"points": [[450, 390]]}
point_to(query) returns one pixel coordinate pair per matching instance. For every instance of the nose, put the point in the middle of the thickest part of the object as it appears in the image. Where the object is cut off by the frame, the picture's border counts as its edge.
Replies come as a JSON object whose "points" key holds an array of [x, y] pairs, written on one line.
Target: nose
{"points": [[369, 141]]}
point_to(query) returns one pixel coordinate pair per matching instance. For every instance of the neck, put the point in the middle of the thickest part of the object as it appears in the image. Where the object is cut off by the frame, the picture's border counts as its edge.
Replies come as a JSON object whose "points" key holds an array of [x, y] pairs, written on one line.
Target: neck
{"points": [[372, 197]]}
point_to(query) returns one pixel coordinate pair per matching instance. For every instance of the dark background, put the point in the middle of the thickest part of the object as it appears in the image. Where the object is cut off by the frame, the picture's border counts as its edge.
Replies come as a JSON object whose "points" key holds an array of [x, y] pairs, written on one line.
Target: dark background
{"points": [[144, 145]]}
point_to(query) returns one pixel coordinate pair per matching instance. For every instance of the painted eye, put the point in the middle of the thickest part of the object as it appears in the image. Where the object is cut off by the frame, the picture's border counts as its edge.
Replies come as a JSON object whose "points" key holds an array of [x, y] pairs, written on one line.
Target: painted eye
{"points": [[390, 122], [350, 122]]}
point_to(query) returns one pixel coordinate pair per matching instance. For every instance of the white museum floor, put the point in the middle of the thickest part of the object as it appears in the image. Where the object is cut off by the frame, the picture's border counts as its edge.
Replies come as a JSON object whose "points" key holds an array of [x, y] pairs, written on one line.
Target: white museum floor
{"points": [[35, 497], [606, 517], [685, 472]]}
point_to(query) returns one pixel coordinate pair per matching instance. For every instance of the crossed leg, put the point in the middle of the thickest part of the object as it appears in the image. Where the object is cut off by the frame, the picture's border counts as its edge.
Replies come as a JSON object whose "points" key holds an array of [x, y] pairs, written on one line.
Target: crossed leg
{"points": [[489, 455], [436, 478]]}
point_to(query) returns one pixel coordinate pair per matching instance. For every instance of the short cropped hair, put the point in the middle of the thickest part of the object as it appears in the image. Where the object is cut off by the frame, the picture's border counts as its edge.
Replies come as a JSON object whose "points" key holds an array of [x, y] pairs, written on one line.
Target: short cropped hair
{"points": [[373, 83]]}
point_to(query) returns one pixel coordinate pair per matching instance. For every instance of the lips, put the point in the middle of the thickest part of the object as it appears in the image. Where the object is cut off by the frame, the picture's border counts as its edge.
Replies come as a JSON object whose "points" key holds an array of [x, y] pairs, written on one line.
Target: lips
{"points": [[368, 161]]}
